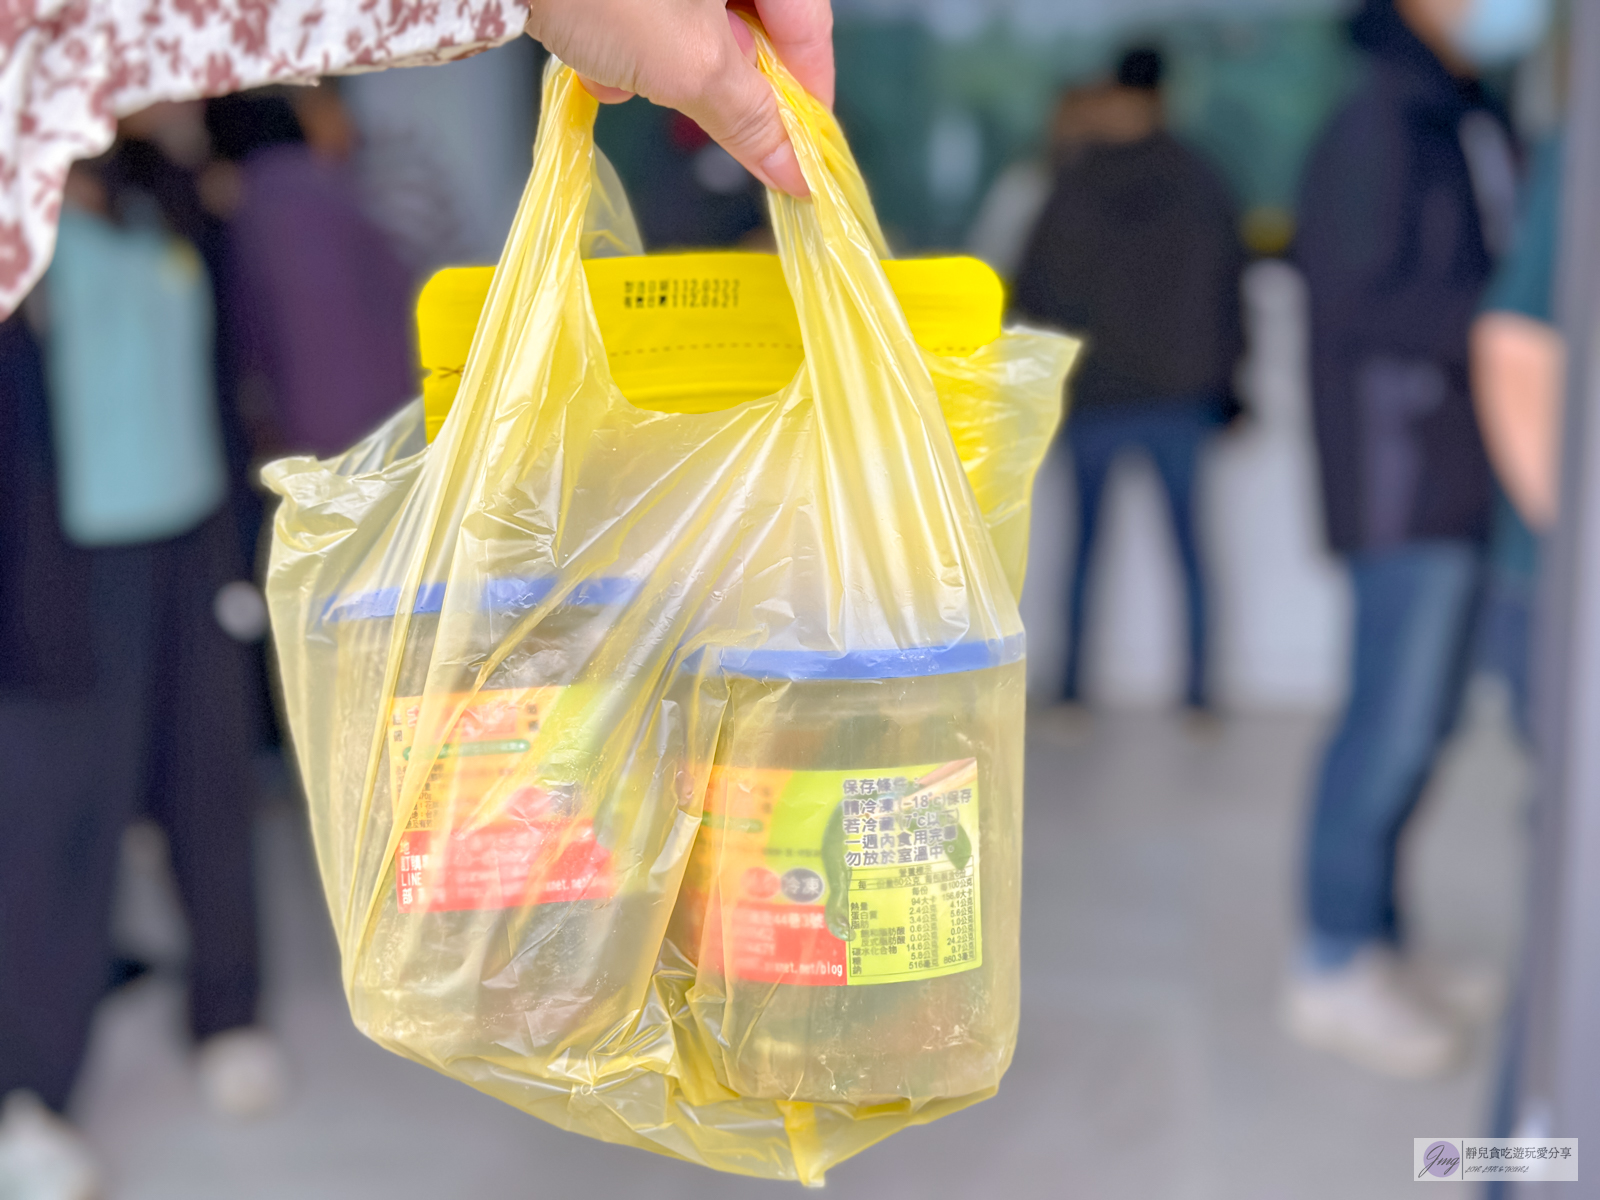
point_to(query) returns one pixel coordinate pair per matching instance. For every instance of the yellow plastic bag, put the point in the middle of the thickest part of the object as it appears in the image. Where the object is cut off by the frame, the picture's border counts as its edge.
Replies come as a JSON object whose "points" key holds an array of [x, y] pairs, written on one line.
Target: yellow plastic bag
{"points": [[665, 763], [726, 331]]}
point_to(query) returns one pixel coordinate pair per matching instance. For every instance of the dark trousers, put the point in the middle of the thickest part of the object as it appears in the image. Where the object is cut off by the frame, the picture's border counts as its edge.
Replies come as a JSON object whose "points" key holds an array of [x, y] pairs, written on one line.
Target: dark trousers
{"points": [[1415, 616], [1171, 432], [162, 729]]}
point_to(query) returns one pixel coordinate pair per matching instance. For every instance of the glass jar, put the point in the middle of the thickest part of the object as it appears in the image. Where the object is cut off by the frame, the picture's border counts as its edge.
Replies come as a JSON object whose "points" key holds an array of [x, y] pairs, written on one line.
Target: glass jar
{"points": [[858, 875], [494, 928]]}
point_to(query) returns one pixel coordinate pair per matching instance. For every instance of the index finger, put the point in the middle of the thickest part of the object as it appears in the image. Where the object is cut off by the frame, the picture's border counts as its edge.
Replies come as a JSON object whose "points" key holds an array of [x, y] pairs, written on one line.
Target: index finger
{"points": [[802, 34]]}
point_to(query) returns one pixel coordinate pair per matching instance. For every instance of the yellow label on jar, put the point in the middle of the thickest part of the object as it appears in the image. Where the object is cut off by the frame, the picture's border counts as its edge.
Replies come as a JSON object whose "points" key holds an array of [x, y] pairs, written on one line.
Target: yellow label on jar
{"points": [[834, 878]]}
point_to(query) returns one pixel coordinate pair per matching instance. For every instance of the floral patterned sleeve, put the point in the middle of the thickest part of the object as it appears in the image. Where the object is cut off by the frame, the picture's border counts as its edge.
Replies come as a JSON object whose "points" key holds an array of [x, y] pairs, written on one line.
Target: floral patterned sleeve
{"points": [[70, 68]]}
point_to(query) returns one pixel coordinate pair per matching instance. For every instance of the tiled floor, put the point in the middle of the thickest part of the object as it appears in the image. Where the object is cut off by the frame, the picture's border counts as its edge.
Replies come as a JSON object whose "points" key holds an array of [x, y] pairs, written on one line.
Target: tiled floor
{"points": [[1160, 871]]}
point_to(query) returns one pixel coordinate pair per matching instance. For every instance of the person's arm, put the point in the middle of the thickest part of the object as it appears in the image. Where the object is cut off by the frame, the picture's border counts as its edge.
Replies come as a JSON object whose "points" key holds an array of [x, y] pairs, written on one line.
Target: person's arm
{"points": [[73, 71], [1518, 372], [1519, 356]]}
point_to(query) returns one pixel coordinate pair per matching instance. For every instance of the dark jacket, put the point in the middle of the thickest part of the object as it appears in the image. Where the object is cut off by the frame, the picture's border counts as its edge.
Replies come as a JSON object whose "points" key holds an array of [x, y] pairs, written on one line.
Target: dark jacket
{"points": [[1138, 249], [1395, 259], [44, 581]]}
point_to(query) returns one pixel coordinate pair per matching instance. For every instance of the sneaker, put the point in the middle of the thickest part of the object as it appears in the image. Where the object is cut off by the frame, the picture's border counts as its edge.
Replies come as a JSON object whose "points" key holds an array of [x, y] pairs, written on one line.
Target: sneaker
{"points": [[1472, 993], [41, 1156], [243, 1073], [1364, 1013]]}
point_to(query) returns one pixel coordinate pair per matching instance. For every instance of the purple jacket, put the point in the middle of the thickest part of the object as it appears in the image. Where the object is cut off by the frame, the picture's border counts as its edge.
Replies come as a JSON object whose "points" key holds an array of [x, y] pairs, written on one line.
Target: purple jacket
{"points": [[324, 303]]}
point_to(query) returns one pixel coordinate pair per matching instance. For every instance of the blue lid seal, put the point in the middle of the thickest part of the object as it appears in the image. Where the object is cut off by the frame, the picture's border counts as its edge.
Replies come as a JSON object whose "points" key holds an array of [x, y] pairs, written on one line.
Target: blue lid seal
{"points": [[499, 595], [897, 663]]}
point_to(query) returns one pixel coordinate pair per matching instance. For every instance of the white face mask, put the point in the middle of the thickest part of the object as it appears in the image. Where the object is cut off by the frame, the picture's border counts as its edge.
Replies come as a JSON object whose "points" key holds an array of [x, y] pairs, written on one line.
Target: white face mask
{"points": [[1492, 33]]}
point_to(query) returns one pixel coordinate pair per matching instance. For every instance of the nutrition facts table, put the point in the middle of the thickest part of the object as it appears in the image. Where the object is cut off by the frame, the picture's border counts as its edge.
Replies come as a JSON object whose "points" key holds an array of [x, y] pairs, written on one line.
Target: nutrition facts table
{"points": [[912, 922]]}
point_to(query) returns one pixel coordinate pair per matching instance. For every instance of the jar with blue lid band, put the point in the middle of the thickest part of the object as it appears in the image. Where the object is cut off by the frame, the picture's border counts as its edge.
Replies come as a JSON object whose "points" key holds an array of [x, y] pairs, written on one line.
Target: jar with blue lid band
{"points": [[853, 896], [500, 918]]}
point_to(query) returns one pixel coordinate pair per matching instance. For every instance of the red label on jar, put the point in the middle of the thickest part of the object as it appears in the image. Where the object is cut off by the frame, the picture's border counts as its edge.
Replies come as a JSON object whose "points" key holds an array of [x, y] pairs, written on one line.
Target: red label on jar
{"points": [[501, 866], [776, 943], [482, 833]]}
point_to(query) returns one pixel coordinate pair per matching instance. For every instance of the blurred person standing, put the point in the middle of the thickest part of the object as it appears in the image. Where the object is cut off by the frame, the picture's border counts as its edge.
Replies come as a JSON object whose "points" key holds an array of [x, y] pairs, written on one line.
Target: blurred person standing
{"points": [[313, 304], [321, 302], [125, 564], [1137, 249], [1407, 196]]}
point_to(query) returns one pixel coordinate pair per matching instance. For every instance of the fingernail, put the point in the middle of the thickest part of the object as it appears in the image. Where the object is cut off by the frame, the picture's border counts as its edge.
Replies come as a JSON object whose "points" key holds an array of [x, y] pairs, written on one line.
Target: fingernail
{"points": [[781, 169], [604, 92], [743, 36]]}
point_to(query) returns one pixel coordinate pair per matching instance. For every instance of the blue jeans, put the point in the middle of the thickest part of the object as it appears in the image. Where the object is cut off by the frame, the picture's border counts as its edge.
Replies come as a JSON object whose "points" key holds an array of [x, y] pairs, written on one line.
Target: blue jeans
{"points": [[1171, 431], [1415, 609]]}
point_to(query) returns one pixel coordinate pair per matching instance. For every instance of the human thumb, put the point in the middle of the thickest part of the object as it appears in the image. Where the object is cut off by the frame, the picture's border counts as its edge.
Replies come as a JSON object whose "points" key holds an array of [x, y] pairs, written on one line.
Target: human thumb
{"points": [[737, 107]]}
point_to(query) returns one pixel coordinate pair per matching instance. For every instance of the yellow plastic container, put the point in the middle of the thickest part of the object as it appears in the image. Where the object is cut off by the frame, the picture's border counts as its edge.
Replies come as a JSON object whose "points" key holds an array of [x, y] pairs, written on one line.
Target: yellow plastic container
{"points": [[723, 319]]}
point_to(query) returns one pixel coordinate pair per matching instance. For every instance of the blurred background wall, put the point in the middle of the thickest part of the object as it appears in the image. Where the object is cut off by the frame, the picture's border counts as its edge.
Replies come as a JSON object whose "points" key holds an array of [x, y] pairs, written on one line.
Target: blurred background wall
{"points": [[446, 151]]}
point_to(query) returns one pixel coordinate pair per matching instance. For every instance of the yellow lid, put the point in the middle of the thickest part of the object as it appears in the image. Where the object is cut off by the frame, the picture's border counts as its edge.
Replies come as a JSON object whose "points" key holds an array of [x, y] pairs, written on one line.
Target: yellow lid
{"points": [[704, 331]]}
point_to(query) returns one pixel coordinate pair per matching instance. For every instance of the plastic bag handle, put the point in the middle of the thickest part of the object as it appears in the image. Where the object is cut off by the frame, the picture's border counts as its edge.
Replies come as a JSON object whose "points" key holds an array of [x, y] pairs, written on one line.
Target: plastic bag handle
{"points": [[830, 169], [866, 373], [566, 134]]}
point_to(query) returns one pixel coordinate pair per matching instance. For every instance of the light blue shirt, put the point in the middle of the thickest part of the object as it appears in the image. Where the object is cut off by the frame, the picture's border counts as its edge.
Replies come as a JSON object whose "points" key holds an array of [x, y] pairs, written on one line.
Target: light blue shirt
{"points": [[139, 454]]}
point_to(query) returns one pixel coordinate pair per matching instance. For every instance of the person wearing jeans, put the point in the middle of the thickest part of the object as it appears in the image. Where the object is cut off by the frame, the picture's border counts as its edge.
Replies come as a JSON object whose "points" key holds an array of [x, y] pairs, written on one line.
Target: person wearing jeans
{"points": [[1171, 432], [1408, 198], [1137, 249]]}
